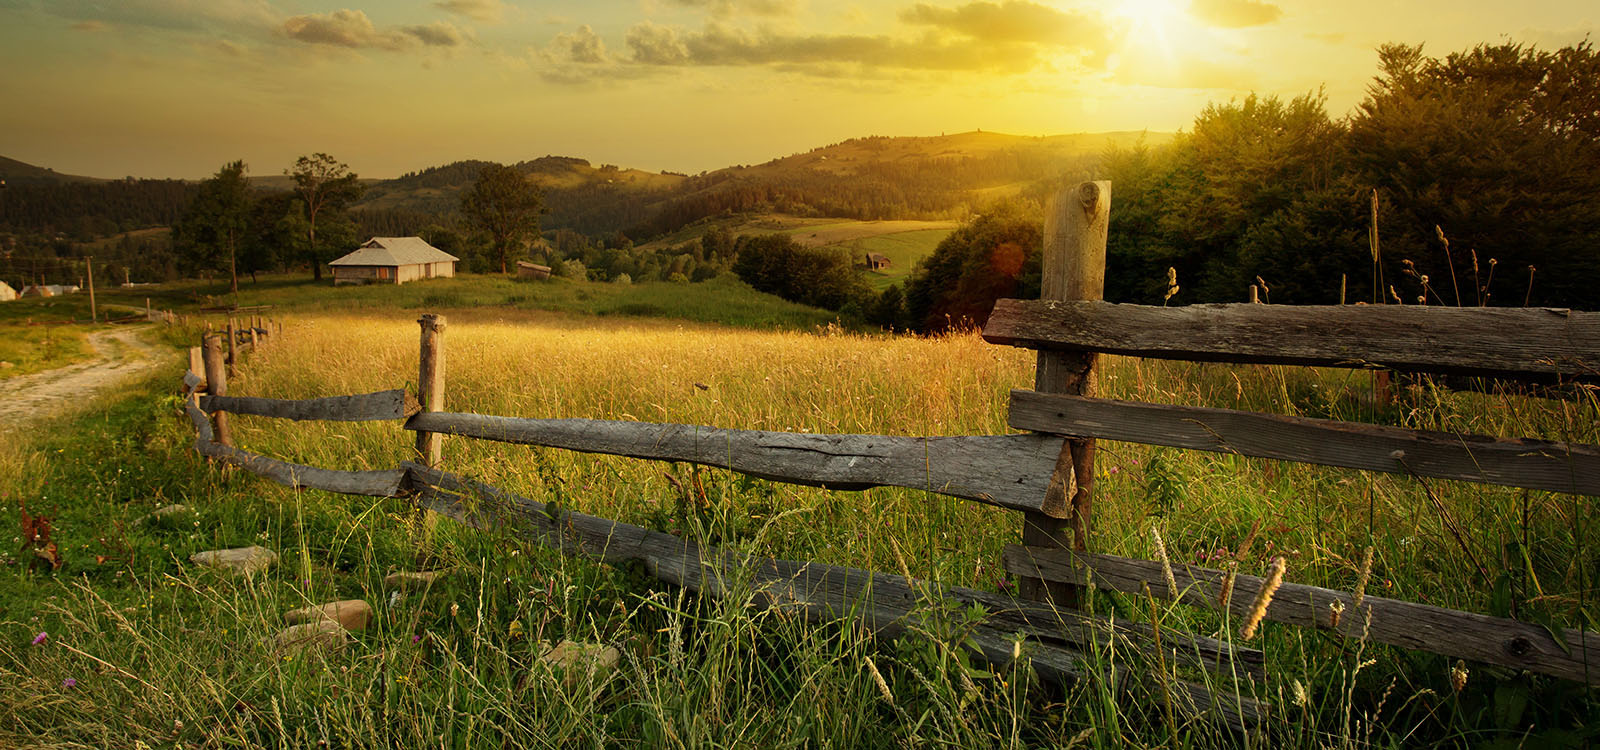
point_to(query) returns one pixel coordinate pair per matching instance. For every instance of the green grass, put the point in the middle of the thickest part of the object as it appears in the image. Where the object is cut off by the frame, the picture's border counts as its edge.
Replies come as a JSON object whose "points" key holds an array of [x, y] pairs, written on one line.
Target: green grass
{"points": [[164, 653], [721, 300], [30, 349]]}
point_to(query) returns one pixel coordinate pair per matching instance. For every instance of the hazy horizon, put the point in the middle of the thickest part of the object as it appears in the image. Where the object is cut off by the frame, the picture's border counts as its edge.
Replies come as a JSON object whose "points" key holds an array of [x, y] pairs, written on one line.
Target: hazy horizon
{"points": [[175, 88]]}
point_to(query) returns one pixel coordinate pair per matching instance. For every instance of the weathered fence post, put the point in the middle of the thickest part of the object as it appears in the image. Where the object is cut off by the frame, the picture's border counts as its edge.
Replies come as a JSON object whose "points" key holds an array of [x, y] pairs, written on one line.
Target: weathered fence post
{"points": [[232, 337], [217, 384], [197, 364], [1255, 294], [430, 384], [1074, 269]]}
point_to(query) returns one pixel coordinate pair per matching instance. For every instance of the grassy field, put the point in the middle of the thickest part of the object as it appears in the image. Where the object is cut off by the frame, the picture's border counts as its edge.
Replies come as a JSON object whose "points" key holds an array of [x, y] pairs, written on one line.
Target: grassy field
{"points": [[720, 300], [25, 350], [143, 647]]}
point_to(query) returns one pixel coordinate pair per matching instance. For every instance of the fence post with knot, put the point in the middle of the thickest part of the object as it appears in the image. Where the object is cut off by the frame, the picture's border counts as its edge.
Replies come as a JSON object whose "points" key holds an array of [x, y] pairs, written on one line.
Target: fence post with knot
{"points": [[430, 385], [1074, 269]]}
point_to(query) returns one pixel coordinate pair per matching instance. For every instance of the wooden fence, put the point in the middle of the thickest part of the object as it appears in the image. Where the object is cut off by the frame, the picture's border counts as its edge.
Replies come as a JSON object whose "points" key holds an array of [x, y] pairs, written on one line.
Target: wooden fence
{"points": [[1045, 474]]}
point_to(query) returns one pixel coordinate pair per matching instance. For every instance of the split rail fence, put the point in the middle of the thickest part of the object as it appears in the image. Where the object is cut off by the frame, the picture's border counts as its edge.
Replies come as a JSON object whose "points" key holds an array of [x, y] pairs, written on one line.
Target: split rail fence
{"points": [[1045, 474]]}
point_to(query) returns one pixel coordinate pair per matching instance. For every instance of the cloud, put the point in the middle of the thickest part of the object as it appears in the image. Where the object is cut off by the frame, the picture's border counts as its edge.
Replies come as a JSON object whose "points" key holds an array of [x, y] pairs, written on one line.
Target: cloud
{"points": [[1235, 14], [582, 46], [90, 25], [720, 45], [1017, 21], [487, 11], [725, 8], [656, 45], [436, 34], [352, 29], [190, 15]]}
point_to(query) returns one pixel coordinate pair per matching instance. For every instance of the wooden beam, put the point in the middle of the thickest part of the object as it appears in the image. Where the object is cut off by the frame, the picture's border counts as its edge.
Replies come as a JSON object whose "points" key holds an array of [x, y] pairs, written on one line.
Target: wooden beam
{"points": [[887, 604], [366, 407], [1006, 470], [1534, 344], [1492, 640], [217, 383], [430, 384], [1512, 462], [1073, 268]]}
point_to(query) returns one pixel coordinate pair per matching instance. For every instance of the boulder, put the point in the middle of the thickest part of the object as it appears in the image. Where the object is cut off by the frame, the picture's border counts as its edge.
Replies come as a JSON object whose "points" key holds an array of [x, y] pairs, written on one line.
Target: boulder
{"points": [[324, 634], [246, 560], [351, 614]]}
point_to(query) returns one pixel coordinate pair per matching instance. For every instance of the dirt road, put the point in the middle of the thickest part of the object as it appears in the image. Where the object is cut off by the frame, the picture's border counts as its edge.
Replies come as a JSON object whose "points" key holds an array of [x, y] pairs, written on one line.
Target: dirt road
{"points": [[118, 354]]}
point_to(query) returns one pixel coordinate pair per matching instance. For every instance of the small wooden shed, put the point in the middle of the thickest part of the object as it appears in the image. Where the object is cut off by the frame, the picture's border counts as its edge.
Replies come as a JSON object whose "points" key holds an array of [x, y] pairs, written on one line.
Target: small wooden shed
{"points": [[526, 270], [877, 260], [393, 260]]}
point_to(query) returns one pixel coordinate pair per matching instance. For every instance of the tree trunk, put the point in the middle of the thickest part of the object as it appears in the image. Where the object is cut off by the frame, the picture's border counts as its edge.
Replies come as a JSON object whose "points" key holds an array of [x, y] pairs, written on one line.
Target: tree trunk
{"points": [[233, 265], [311, 236]]}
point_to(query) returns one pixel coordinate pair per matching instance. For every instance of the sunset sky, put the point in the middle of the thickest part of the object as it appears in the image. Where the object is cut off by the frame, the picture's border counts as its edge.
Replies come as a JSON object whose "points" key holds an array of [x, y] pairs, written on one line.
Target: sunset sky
{"points": [[175, 88]]}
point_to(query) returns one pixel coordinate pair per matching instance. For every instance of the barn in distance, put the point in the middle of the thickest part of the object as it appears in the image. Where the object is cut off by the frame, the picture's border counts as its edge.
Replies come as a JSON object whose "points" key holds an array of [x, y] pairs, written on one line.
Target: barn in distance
{"points": [[393, 260]]}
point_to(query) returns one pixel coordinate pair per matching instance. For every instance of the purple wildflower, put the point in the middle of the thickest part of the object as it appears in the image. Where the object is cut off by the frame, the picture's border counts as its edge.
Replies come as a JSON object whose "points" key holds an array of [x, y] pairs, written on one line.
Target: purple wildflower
{"points": [[41, 638], [69, 683], [416, 638]]}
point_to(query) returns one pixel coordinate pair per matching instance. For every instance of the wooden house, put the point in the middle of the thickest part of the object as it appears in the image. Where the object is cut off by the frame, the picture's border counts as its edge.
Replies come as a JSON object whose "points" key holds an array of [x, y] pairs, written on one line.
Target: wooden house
{"points": [[876, 261], [393, 260], [526, 270]]}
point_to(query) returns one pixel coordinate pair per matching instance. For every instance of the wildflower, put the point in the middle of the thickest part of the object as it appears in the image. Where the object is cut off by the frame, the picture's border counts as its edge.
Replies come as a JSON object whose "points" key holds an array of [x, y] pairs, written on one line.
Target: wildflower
{"points": [[69, 683], [416, 638], [1458, 675], [41, 638]]}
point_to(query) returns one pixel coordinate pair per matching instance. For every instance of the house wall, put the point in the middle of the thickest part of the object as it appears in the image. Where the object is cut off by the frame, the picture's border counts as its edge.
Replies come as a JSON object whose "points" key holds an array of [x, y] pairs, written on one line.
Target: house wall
{"points": [[409, 273], [396, 275]]}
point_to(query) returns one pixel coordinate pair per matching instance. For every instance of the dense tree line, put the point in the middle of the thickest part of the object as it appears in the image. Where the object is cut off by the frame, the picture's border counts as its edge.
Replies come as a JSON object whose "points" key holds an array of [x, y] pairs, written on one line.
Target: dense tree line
{"points": [[1482, 168], [83, 211]]}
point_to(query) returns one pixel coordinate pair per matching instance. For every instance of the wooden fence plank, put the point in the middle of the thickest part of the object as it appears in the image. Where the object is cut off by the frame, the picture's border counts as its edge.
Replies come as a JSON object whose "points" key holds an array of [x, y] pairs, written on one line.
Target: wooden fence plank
{"points": [[395, 404], [1011, 471], [383, 483], [1536, 344], [1535, 464], [1492, 640], [887, 604]]}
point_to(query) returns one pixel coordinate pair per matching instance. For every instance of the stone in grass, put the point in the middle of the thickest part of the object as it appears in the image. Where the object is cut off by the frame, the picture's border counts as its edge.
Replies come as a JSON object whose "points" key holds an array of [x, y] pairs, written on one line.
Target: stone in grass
{"points": [[247, 560], [351, 614], [324, 634], [574, 659], [167, 513], [407, 580]]}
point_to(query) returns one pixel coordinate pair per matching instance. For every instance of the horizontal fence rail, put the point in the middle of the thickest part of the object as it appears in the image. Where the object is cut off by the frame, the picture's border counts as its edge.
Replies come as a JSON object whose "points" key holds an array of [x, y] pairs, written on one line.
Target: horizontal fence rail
{"points": [[1493, 640], [1011, 471], [383, 405], [381, 483], [887, 604], [1531, 344], [1514, 462]]}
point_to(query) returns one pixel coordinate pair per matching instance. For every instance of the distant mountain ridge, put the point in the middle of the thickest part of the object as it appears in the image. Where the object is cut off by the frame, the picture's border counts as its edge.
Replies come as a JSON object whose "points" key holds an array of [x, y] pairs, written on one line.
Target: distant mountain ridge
{"points": [[870, 178], [15, 172]]}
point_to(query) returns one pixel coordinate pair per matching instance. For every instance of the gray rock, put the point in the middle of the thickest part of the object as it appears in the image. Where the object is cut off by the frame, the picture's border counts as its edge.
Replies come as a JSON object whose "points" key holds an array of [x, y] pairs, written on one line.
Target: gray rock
{"points": [[407, 580], [323, 634], [575, 660], [350, 614], [247, 560]]}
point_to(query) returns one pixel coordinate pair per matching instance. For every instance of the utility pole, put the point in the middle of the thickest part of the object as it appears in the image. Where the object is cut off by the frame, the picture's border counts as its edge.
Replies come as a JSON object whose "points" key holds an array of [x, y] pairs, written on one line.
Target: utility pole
{"points": [[93, 317]]}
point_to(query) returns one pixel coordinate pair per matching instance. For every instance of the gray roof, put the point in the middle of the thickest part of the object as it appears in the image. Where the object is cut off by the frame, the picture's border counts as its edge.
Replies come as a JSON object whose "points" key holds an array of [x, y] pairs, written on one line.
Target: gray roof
{"points": [[394, 251]]}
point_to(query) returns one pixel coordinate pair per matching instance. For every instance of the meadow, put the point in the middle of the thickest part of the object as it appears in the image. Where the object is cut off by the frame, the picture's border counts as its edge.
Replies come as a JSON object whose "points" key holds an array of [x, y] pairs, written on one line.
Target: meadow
{"points": [[141, 646]]}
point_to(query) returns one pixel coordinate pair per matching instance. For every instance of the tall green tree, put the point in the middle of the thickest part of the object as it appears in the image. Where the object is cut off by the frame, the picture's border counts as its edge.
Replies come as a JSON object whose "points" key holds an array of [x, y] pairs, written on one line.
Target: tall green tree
{"points": [[326, 187], [505, 205], [1499, 147], [218, 221], [995, 255]]}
